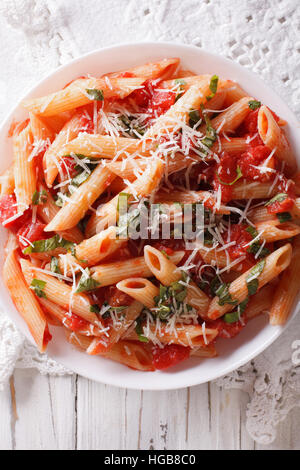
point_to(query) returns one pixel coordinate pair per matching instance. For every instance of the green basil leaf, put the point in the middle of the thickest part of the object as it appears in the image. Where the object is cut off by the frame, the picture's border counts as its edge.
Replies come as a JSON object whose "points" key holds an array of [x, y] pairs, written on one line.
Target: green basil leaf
{"points": [[94, 94], [86, 282], [139, 330], [278, 198], [213, 86], [232, 317], [38, 287], [41, 246], [252, 278], [239, 175], [252, 230], [54, 265], [95, 308], [284, 217], [253, 104], [79, 179], [39, 197], [194, 117], [224, 295]]}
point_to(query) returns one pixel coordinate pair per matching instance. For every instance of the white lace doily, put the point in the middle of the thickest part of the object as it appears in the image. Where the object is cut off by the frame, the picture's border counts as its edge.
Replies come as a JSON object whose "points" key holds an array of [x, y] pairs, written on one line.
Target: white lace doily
{"points": [[263, 35]]}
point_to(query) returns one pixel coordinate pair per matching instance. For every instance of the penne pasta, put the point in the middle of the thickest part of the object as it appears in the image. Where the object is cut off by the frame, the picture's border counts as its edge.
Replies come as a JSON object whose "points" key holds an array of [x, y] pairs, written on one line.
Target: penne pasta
{"points": [[274, 138], [24, 169], [287, 289], [78, 94], [59, 292], [165, 271], [275, 263], [80, 201], [25, 301], [114, 181], [112, 273]]}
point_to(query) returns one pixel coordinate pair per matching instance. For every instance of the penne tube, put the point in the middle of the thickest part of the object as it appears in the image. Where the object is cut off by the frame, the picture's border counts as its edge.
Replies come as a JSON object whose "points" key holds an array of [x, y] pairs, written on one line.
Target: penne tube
{"points": [[42, 134], [134, 355], [48, 211], [139, 289], [275, 263], [51, 160], [81, 200], [287, 289], [7, 182], [230, 119], [91, 251], [24, 169], [189, 197], [112, 273], [60, 293], [25, 301], [214, 257], [57, 121], [261, 302], [253, 190], [261, 214], [166, 272], [105, 146], [208, 351], [117, 330], [163, 70], [272, 230], [178, 114], [78, 94], [142, 187], [131, 354], [193, 336], [272, 136]]}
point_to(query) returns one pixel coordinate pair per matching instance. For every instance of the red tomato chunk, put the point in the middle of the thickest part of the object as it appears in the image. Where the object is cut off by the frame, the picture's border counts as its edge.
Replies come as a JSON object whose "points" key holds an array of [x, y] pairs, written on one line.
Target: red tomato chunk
{"points": [[169, 355], [31, 232], [75, 323], [8, 209]]}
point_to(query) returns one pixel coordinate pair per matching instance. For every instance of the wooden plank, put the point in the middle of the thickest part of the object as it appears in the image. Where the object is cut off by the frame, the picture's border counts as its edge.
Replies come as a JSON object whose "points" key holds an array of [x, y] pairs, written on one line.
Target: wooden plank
{"points": [[199, 419], [6, 420], [107, 417], [228, 411], [163, 422], [46, 411]]}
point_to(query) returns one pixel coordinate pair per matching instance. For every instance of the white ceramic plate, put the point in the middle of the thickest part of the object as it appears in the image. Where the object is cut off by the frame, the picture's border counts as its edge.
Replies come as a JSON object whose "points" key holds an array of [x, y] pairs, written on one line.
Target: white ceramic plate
{"points": [[258, 335]]}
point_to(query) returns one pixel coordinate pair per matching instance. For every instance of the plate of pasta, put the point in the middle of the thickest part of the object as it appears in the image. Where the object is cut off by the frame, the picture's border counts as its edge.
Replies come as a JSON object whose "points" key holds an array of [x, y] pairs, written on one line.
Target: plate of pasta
{"points": [[150, 207]]}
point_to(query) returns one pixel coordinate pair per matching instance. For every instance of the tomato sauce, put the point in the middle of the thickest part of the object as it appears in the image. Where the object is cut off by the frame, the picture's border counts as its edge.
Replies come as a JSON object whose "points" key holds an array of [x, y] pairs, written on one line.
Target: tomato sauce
{"points": [[8, 209], [227, 330], [169, 355], [75, 323]]}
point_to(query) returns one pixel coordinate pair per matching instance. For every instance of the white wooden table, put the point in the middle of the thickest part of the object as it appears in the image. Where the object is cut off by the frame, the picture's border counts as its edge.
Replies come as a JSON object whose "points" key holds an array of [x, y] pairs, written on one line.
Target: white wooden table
{"points": [[76, 413]]}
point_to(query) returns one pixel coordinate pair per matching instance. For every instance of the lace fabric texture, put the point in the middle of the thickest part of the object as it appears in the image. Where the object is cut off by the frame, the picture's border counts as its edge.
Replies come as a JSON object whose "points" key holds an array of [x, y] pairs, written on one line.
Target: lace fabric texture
{"points": [[262, 35]]}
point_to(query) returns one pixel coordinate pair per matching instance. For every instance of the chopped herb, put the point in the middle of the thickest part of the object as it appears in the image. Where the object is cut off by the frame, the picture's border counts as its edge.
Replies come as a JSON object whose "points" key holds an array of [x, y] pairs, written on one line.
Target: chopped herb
{"points": [[181, 88], [139, 329], [252, 278], [39, 197], [94, 94], [284, 217], [165, 254], [239, 175], [87, 283], [54, 265], [224, 295], [255, 246], [211, 133], [131, 126], [38, 287], [95, 308], [41, 246], [232, 317], [80, 178], [252, 230], [278, 198], [194, 117], [253, 104], [213, 86]]}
